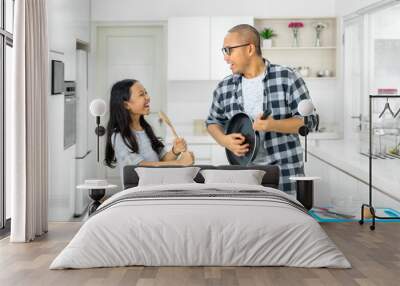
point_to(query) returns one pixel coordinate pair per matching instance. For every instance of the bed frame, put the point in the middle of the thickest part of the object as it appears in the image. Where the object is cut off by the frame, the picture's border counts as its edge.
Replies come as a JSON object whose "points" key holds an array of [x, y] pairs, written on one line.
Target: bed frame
{"points": [[270, 179]]}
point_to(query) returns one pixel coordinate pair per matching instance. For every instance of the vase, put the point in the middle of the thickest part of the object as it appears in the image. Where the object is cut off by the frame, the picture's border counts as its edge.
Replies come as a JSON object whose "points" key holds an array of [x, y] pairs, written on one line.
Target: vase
{"points": [[318, 38], [295, 37], [267, 43]]}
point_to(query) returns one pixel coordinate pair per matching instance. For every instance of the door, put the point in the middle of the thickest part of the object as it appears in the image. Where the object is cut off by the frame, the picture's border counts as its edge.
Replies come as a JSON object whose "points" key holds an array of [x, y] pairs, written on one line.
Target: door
{"points": [[353, 77], [133, 52]]}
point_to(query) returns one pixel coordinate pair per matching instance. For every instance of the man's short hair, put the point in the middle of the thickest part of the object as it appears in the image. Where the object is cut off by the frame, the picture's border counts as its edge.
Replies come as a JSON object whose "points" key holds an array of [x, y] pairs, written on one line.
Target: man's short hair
{"points": [[249, 34]]}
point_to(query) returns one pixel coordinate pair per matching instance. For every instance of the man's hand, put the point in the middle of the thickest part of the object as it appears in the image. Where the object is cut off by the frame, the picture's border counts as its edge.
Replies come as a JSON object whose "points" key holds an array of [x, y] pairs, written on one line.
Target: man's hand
{"points": [[264, 124], [235, 143], [187, 158]]}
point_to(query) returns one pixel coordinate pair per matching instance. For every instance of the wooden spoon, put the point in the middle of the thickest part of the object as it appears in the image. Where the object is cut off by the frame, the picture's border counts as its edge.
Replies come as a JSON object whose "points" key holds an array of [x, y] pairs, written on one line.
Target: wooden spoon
{"points": [[166, 120]]}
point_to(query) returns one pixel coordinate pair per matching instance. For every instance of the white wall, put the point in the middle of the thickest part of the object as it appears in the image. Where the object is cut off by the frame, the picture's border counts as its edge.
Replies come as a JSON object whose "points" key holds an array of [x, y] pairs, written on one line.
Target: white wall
{"points": [[68, 21], [189, 100], [346, 7], [135, 10]]}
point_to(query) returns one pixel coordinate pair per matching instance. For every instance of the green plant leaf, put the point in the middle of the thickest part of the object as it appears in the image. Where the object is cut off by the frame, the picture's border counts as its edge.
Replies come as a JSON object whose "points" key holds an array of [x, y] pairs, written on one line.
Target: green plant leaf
{"points": [[267, 33]]}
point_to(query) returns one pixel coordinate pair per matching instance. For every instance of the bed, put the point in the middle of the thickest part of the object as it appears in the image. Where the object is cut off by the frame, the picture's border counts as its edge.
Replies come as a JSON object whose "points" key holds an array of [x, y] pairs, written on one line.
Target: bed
{"points": [[201, 224]]}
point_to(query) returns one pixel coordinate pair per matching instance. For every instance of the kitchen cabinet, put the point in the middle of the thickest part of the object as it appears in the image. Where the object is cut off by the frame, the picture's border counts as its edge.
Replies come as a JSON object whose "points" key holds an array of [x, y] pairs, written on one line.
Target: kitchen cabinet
{"points": [[218, 155], [189, 48], [205, 149], [334, 183], [194, 47]]}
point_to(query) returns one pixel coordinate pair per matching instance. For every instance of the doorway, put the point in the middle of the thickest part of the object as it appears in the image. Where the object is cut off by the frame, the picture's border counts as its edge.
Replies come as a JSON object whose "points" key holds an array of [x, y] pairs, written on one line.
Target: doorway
{"points": [[131, 52]]}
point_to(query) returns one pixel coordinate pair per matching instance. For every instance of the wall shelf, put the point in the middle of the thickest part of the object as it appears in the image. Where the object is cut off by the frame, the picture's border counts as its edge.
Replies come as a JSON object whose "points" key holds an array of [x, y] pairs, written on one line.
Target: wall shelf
{"points": [[299, 48], [319, 78], [306, 54]]}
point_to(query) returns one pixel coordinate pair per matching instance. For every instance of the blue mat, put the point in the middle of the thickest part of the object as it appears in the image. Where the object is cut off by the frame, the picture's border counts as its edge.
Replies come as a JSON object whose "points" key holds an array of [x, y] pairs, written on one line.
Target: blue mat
{"points": [[384, 212]]}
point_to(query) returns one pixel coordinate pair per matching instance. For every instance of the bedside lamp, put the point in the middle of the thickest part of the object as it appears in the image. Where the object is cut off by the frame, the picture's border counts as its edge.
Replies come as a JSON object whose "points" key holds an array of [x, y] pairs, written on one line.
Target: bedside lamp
{"points": [[305, 108], [97, 109], [305, 185]]}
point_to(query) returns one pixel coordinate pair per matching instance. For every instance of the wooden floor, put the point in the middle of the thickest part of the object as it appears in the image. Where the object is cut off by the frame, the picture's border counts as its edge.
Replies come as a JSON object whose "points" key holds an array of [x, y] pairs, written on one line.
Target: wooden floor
{"points": [[375, 257]]}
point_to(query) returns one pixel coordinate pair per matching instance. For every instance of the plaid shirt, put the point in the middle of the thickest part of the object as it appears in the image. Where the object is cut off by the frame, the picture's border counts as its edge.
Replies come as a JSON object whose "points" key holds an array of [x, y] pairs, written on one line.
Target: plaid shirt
{"points": [[283, 90]]}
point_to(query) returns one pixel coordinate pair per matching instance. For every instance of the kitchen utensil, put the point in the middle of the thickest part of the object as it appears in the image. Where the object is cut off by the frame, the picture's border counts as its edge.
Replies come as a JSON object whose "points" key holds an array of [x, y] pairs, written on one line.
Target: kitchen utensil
{"points": [[327, 73], [243, 124], [167, 121], [304, 71], [199, 127]]}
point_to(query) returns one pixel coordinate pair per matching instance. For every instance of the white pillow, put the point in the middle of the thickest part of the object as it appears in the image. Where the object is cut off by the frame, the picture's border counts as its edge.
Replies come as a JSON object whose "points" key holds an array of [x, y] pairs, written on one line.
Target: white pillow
{"points": [[166, 176], [248, 177]]}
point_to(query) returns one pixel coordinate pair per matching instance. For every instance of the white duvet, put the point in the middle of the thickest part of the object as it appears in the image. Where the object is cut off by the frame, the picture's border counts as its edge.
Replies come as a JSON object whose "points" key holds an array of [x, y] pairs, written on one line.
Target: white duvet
{"points": [[200, 231]]}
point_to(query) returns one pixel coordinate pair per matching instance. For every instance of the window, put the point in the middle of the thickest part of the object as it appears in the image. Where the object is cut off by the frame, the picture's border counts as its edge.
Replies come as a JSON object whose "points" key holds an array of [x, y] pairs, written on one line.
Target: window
{"points": [[372, 63], [6, 44], [384, 49], [9, 15]]}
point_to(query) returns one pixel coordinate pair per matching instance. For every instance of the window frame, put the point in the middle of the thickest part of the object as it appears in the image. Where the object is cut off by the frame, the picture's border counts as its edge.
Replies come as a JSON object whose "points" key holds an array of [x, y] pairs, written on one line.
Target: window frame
{"points": [[6, 39]]}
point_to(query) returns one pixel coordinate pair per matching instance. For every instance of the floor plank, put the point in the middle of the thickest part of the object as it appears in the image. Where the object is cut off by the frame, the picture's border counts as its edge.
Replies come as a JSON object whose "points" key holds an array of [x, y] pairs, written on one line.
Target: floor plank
{"points": [[374, 255]]}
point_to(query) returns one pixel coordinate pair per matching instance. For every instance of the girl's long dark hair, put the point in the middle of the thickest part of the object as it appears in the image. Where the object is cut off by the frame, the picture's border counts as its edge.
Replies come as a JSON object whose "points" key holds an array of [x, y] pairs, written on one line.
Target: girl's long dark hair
{"points": [[120, 121]]}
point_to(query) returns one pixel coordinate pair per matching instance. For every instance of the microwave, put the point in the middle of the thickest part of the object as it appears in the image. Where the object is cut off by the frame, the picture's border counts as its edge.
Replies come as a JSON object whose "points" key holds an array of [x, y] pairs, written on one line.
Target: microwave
{"points": [[57, 77]]}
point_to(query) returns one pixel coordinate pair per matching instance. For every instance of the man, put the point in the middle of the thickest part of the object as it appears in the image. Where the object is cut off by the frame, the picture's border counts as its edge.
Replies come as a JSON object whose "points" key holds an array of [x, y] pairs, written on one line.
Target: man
{"points": [[254, 87]]}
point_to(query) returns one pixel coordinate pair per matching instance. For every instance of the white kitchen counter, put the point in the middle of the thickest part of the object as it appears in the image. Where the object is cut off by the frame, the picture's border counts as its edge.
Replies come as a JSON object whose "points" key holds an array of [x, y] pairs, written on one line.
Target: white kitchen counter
{"points": [[345, 156], [192, 139], [207, 139]]}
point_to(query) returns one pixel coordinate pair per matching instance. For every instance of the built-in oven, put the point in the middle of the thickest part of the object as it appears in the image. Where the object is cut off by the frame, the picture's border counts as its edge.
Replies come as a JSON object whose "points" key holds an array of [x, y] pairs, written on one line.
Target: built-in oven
{"points": [[69, 114]]}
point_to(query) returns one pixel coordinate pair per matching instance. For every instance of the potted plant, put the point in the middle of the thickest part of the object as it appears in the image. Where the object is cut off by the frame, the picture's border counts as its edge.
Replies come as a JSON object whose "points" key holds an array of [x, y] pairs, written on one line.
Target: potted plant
{"points": [[267, 34]]}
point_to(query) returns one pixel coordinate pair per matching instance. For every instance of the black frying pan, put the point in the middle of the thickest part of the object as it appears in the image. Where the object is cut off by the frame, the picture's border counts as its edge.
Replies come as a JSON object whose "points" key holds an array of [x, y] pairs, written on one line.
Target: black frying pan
{"points": [[243, 124]]}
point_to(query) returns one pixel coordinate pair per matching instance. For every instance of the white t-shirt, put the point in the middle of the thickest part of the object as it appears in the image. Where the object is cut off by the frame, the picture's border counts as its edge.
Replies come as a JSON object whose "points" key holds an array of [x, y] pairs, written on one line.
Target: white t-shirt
{"points": [[125, 156], [253, 99], [253, 95]]}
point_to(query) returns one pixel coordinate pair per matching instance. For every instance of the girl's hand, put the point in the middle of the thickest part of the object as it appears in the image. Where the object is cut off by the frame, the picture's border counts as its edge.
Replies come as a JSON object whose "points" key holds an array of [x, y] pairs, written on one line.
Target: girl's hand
{"points": [[179, 146], [187, 158]]}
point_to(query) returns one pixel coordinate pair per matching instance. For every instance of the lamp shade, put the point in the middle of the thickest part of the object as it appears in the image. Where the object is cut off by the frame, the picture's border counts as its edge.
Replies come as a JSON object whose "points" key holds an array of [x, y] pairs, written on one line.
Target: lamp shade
{"points": [[97, 107], [306, 107]]}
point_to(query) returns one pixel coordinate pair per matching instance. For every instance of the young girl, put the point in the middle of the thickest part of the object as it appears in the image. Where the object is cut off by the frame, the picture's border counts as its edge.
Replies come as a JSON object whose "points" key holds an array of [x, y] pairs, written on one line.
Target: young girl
{"points": [[130, 139]]}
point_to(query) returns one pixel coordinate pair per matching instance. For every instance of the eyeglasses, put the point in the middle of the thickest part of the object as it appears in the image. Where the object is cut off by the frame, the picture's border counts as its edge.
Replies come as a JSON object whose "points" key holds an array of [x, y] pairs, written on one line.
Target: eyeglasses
{"points": [[228, 50]]}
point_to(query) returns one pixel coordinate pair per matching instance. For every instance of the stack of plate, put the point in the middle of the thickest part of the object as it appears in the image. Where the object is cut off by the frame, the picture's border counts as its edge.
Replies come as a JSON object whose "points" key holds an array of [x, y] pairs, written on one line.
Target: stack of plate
{"points": [[96, 183]]}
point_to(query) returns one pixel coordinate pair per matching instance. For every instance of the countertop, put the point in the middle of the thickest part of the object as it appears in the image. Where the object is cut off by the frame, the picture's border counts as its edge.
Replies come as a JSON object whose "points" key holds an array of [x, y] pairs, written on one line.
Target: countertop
{"points": [[207, 139], [345, 155]]}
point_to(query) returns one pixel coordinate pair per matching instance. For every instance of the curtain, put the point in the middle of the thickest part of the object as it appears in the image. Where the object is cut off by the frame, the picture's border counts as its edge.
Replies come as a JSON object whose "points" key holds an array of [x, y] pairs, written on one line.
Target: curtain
{"points": [[28, 157]]}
